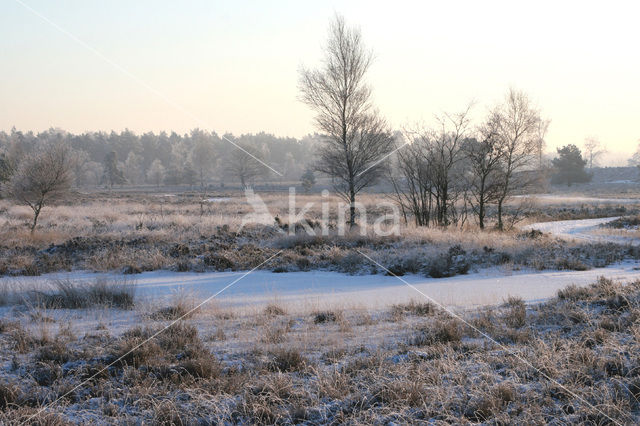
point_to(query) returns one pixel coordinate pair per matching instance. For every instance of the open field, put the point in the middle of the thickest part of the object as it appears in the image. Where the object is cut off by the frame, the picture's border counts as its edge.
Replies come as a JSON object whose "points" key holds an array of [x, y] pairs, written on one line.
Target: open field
{"points": [[134, 233], [570, 359], [435, 325]]}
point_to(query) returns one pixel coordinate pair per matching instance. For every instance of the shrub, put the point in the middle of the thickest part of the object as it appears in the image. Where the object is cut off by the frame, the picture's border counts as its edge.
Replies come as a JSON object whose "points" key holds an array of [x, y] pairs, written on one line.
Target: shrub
{"points": [[516, 314], [273, 310], [285, 360], [439, 332], [56, 352], [218, 262], [326, 316], [203, 366], [573, 293], [10, 393]]}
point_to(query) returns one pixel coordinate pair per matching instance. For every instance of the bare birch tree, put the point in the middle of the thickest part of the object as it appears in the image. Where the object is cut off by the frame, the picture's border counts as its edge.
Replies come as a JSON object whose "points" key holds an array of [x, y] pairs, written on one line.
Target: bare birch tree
{"points": [[593, 150], [356, 139], [42, 177], [518, 133], [484, 159]]}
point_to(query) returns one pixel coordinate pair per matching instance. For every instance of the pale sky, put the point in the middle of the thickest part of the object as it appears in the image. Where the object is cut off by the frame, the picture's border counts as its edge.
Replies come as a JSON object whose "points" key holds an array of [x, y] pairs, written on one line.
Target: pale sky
{"points": [[233, 66]]}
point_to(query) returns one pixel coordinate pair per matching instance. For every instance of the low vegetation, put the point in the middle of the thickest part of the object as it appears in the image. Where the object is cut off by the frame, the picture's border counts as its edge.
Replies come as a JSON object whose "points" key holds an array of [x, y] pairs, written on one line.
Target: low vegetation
{"points": [[572, 359], [114, 233]]}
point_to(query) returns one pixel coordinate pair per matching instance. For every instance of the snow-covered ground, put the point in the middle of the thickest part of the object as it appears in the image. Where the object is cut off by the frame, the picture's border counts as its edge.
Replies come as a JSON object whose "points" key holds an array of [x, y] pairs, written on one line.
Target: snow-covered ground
{"points": [[577, 199], [584, 229], [574, 229], [318, 289]]}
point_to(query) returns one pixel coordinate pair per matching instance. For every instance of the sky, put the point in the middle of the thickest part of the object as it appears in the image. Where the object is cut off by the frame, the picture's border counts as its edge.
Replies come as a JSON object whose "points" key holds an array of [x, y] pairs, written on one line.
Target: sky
{"points": [[233, 66]]}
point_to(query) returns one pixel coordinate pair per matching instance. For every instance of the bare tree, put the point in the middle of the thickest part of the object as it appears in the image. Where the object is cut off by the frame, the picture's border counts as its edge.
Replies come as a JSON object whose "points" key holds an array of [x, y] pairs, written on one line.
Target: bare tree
{"points": [[412, 183], [518, 133], [593, 150], [356, 139], [42, 177], [245, 165], [635, 158], [484, 175], [443, 154], [540, 143]]}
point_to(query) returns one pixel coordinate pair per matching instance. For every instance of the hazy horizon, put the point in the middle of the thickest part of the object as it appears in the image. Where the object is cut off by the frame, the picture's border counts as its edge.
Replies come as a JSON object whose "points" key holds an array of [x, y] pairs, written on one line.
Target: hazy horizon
{"points": [[234, 67]]}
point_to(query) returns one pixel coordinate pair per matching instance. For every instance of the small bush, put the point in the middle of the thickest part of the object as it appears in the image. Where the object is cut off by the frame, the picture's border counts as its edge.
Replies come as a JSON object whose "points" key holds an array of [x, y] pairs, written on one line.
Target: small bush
{"points": [[204, 366], [134, 351], [56, 352], [395, 270], [573, 293], [10, 393], [285, 360], [571, 264], [218, 262], [439, 332], [326, 316], [273, 310], [516, 315]]}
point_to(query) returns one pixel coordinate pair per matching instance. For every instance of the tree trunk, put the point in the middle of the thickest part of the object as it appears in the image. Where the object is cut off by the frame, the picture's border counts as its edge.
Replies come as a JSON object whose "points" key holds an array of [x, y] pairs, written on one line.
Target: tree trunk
{"points": [[36, 213], [500, 224], [352, 206], [481, 204]]}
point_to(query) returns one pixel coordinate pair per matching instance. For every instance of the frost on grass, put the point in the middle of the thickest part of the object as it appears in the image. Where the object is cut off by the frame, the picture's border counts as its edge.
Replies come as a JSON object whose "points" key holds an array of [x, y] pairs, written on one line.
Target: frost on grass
{"points": [[572, 359], [126, 236]]}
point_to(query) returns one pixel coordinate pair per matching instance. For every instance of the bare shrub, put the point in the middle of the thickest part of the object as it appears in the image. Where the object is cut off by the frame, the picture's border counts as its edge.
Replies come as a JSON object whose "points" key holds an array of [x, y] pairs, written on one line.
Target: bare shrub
{"points": [[273, 310], [516, 315], [10, 393], [146, 346], [56, 352], [286, 359], [327, 316], [168, 413], [573, 292], [33, 416], [440, 331], [203, 366], [133, 350]]}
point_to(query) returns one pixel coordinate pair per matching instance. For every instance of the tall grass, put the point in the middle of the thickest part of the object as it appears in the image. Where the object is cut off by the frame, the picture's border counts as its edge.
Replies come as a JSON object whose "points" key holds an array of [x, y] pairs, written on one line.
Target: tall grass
{"points": [[69, 294]]}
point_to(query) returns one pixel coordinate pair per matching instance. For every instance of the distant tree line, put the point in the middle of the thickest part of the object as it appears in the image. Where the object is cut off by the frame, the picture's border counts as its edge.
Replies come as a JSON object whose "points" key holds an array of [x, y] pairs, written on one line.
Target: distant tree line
{"points": [[197, 159]]}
